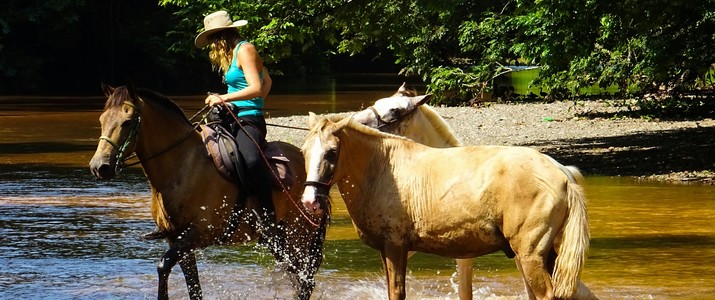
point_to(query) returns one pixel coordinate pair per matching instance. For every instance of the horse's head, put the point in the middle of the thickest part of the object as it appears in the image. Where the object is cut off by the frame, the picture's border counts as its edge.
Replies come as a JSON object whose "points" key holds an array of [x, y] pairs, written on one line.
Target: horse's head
{"points": [[390, 110], [120, 127], [320, 150]]}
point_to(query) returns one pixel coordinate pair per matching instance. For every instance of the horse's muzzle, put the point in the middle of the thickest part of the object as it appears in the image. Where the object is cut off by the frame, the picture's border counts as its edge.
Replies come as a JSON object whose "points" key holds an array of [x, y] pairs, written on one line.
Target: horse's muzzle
{"points": [[102, 170], [313, 200]]}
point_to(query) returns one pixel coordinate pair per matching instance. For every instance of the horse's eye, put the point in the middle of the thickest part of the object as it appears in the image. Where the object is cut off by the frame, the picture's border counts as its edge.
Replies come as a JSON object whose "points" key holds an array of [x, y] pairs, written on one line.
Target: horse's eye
{"points": [[331, 154], [394, 112]]}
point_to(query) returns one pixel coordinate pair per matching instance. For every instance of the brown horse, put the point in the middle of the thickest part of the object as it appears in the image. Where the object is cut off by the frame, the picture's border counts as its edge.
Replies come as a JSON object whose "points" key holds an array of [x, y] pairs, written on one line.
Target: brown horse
{"points": [[458, 202], [191, 202]]}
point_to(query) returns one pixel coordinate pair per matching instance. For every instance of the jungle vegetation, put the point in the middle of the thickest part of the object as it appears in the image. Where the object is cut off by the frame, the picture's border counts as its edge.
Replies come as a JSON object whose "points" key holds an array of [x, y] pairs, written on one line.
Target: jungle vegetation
{"points": [[658, 52]]}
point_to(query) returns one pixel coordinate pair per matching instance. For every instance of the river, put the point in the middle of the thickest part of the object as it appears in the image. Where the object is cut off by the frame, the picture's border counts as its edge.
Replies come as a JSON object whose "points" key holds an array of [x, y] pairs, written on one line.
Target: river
{"points": [[64, 235]]}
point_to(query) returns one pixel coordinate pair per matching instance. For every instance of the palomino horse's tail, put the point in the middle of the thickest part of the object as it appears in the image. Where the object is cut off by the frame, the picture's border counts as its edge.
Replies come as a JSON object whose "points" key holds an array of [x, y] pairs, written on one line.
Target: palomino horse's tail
{"points": [[574, 245], [576, 174], [571, 172]]}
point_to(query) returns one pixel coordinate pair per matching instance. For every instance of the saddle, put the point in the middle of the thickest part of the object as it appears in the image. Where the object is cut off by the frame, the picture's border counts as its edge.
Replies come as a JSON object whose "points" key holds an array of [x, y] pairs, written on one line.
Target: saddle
{"points": [[221, 146]]}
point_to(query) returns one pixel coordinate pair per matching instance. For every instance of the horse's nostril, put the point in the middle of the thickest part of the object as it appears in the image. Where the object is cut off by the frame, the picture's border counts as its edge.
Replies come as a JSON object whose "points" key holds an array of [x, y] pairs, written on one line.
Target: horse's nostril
{"points": [[104, 171]]}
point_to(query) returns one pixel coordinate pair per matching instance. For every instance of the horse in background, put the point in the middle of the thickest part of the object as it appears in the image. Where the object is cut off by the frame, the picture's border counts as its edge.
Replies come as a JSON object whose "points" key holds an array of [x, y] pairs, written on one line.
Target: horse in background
{"points": [[457, 202], [191, 202]]}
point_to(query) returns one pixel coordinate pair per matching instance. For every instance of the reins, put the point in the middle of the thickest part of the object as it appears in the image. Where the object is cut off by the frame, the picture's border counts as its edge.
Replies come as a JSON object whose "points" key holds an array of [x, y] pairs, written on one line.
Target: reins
{"points": [[289, 127], [265, 160], [135, 132]]}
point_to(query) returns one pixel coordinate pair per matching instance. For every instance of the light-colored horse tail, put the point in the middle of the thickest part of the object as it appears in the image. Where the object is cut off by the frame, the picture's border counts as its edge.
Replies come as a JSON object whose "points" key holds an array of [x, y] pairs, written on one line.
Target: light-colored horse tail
{"points": [[571, 255], [576, 174], [572, 172]]}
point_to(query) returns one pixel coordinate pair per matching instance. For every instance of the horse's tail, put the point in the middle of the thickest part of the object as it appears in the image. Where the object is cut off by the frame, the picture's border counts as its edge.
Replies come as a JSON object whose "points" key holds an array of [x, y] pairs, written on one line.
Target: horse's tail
{"points": [[576, 174], [572, 172], [571, 255]]}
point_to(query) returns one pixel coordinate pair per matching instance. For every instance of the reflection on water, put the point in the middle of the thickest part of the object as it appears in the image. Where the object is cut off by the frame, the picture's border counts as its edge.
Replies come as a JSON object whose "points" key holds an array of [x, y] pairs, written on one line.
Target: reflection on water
{"points": [[64, 235]]}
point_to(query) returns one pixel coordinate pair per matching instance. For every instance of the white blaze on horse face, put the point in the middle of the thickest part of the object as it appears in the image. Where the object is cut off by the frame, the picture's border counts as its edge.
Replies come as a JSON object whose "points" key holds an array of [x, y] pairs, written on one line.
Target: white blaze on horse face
{"points": [[309, 193]]}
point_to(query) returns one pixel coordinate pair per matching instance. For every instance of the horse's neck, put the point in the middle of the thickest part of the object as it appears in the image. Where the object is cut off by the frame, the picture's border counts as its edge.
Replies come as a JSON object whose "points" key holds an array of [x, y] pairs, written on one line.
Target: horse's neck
{"points": [[365, 164], [423, 128], [168, 146]]}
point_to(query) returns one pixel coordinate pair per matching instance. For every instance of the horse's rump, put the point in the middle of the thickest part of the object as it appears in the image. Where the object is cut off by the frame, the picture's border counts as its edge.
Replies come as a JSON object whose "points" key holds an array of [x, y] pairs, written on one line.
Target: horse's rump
{"points": [[222, 148]]}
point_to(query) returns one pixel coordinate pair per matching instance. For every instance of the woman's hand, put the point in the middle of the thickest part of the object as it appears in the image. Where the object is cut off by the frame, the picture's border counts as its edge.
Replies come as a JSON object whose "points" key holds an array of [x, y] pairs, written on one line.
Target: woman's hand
{"points": [[213, 99]]}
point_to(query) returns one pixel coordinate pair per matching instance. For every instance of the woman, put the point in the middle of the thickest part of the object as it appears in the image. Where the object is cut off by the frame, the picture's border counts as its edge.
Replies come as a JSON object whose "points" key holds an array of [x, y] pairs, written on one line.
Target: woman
{"points": [[248, 85]]}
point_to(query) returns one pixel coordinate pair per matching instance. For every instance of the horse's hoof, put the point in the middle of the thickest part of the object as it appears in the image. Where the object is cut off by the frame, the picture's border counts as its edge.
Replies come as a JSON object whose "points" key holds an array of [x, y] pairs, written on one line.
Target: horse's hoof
{"points": [[155, 235]]}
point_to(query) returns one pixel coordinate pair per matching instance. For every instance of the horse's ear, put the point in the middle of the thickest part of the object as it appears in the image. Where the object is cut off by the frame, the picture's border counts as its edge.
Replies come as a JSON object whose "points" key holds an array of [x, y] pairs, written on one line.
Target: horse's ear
{"points": [[419, 100], [401, 91], [312, 119], [107, 89]]}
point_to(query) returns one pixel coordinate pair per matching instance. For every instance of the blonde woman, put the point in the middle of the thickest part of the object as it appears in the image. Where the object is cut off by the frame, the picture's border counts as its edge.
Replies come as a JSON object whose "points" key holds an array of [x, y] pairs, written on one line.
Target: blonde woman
{"points": [[248, 84]]}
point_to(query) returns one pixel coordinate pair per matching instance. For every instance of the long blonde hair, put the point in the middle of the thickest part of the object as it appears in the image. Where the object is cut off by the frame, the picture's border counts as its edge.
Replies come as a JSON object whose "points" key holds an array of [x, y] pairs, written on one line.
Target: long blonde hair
{"points": [[221, 49]]}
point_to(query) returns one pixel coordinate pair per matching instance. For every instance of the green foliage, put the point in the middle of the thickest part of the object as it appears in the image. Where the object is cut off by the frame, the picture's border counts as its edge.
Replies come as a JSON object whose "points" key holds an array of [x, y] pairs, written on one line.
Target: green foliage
{"points": [[280, 30], [460, 46]]}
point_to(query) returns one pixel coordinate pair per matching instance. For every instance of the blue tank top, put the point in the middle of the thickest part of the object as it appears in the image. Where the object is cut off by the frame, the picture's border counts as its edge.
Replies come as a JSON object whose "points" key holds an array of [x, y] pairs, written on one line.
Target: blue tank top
{"points": [[236, 81]]}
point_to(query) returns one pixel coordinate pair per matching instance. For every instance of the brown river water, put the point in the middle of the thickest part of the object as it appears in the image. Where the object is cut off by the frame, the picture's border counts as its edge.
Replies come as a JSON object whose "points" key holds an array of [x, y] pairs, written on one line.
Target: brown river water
{"points": [[64, 235]]}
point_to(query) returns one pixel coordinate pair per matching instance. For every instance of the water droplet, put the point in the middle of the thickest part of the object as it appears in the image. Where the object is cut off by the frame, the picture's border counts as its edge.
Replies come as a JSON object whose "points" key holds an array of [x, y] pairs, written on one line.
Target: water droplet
{"points": [[203, 208]]}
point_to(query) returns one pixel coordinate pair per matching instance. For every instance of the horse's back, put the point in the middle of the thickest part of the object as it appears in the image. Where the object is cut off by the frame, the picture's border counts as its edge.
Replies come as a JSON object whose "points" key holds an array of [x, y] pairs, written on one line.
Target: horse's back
{"points": [[489, 181]]}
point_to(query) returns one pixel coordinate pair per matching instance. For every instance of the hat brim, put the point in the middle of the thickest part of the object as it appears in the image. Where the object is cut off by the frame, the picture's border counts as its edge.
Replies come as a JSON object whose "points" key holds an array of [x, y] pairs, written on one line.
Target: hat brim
{"points": [[202, 39]]}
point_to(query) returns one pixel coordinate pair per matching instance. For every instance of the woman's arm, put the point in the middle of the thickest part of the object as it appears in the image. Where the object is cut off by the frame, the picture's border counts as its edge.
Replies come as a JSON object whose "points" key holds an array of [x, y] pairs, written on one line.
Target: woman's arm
{"points": [[250, 62], [267, 83]]}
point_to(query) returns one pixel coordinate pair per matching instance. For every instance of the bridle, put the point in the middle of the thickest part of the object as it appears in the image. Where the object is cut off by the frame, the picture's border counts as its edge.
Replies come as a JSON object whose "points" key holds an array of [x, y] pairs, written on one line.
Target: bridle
{"points": [[381, 122], [134, 134], [321, 184]]}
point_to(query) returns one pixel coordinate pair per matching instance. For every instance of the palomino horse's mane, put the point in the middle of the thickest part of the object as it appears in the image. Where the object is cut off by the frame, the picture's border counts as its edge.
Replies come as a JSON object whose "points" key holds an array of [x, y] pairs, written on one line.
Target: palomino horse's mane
{"points": [[357, 126], [440, 125], [122, 94]]}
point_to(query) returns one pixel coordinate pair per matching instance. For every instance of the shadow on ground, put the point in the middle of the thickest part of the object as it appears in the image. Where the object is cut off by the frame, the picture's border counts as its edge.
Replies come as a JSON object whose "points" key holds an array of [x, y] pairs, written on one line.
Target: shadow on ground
{"points": [[645, 154]]}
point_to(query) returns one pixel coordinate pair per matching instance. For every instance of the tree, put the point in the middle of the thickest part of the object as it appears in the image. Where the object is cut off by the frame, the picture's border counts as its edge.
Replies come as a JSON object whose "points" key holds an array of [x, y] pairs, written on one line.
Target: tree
{"points": [[70, 46], [24, 55]]}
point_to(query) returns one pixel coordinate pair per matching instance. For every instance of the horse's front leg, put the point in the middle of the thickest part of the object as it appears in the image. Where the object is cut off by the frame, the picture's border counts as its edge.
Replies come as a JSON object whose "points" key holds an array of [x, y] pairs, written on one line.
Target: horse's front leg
{"points": [[168, 261], [179, 252], [394, 260], [191, 274]]}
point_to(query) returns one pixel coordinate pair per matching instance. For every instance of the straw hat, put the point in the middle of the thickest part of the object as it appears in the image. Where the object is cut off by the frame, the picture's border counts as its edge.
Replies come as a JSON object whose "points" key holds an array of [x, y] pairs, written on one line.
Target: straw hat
{"points": [[214, 22]]}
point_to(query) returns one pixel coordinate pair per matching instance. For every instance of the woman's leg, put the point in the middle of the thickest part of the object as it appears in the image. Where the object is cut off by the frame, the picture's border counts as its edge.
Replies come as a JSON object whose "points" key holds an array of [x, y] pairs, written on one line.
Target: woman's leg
{"points": [[250, 138]]}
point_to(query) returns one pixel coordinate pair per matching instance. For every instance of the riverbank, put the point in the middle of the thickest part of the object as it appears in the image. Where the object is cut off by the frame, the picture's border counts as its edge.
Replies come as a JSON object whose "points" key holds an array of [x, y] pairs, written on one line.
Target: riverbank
{"points": [[587, 134]]}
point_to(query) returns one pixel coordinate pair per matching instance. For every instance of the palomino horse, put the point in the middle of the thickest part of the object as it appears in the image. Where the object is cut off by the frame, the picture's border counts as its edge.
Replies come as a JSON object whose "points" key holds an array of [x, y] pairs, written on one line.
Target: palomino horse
{"points": [[191, 202], [406, 114], [458, 202]]}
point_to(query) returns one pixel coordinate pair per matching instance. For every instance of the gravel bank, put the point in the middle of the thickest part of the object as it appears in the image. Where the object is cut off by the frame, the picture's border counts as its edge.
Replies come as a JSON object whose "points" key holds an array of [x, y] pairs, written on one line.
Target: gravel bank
{"points": [[584, 134]]}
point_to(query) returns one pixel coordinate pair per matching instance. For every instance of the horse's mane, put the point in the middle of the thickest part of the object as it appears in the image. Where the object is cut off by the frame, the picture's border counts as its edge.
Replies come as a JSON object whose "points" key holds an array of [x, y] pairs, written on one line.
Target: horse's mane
{"points": [[364, 129], [122, 93], [440, 125]]}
